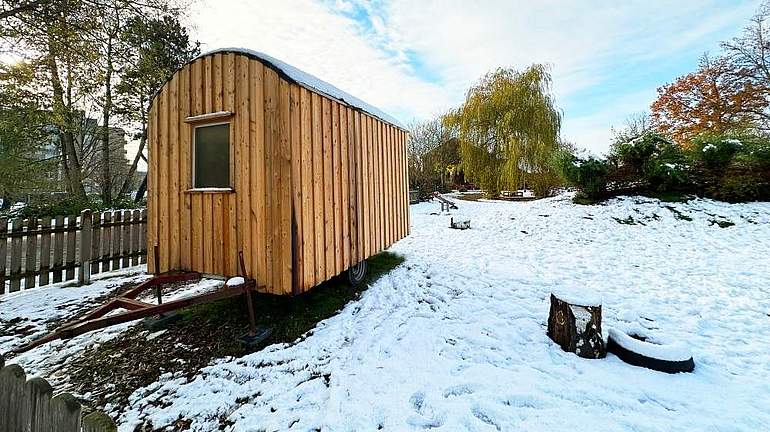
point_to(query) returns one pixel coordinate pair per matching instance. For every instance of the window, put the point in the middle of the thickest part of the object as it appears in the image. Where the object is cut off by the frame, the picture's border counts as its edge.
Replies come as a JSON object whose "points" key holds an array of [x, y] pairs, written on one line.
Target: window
{"points": [[211, 156]]}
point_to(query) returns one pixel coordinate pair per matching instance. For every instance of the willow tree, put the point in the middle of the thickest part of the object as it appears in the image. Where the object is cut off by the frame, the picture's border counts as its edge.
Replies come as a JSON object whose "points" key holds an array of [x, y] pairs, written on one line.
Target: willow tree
{"points": [[508, 127]]}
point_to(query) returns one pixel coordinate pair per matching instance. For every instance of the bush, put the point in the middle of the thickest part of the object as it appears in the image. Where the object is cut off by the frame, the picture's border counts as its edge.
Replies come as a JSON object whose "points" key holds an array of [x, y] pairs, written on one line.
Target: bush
{"points": [[733, 168], [52, 206], [714, 151], [666, 175], [652, 161], [636, 153], [740, 184], [589, 176], [754, 151]]}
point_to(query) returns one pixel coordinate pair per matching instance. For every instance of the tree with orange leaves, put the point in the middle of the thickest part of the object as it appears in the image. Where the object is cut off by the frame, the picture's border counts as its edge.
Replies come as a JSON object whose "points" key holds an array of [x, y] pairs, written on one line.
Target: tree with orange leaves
{"points": [[714, 99]]}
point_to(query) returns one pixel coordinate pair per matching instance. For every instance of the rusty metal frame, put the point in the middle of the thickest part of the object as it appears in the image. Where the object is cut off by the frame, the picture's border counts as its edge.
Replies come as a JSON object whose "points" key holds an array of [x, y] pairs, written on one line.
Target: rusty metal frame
{"points": [[135, 309]]}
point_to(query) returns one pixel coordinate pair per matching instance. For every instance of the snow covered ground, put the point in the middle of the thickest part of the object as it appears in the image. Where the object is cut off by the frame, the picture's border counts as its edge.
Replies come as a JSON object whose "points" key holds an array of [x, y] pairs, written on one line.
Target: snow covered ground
{"points": [[454, 339]]}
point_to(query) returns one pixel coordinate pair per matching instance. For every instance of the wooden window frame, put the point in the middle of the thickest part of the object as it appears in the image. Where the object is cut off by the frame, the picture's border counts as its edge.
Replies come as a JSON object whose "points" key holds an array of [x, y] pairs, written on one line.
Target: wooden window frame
{"points": [[231, 155]]}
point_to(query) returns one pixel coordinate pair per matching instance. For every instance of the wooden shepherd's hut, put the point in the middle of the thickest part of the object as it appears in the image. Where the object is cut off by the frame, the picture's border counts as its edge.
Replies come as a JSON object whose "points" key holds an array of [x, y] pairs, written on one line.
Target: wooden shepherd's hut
{"points": [[249, 154]]}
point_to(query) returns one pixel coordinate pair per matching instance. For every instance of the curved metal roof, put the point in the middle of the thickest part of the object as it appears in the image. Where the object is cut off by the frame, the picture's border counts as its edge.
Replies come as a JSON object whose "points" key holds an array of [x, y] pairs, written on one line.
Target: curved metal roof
{"points": [[310, 82]]}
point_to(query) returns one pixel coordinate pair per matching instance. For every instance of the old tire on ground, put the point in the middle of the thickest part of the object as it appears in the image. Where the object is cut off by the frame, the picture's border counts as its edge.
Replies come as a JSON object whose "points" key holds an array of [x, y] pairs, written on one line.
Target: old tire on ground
{"points": [[636, 351], [357, 273]]}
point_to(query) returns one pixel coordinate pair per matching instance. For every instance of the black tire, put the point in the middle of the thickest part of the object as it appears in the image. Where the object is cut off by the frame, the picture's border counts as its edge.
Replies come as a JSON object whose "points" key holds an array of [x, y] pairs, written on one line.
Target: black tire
{"points": [[636, 359], [357, 273]]}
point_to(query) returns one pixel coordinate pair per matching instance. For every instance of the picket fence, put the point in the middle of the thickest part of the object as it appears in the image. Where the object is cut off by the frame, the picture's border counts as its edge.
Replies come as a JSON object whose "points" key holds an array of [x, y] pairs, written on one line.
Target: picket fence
{"points": [[30, 406], [39, 251]]}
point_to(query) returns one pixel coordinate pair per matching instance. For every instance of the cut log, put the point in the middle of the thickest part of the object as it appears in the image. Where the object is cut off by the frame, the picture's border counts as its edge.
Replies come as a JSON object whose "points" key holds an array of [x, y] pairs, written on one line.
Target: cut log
{"points": [[462, 225], [577, 327]]}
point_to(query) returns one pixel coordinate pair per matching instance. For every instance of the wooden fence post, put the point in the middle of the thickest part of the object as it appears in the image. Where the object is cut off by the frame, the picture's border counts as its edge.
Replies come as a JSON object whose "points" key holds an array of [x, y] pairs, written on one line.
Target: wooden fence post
{"points": [[126, 261], [3, 252], [98, 421], [58, 248], [27, 405], [84, 274], [16, 241], [30, 261], [96, 242], [72, 232], [143, 237], [107, 240], [12, 395], [117, 231], [45, 250], [136, 232]]}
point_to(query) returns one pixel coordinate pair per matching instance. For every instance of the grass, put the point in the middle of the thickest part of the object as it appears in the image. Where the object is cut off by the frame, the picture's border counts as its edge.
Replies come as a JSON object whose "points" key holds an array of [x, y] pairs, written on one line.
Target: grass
{"points": [[291, 317], [670, 197], [627, 221], [584, 200], [679, 215], [722, 223], [111, 371]]}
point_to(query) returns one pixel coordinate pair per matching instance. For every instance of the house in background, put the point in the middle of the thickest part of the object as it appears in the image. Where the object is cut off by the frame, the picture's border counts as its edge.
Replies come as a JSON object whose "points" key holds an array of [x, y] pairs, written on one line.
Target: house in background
{"points": [[88, 147]]}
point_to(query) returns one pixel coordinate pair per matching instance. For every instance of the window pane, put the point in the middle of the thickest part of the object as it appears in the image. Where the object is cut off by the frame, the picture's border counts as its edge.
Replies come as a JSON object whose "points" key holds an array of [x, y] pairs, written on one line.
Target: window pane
{"points": [[212, 156]]}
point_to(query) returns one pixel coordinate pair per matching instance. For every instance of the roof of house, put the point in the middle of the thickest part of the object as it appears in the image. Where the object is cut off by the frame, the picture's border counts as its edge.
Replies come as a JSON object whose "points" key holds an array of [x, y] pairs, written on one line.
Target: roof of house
{"points": [[310, 82]]}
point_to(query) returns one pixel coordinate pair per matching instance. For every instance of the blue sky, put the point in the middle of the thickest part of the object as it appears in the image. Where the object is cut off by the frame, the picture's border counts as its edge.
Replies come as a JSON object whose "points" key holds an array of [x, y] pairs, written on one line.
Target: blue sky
{"points": [[416, 59]]}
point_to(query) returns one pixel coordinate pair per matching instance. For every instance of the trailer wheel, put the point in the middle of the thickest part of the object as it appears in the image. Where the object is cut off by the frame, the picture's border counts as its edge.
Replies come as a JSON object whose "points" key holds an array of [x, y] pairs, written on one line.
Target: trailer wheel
{"points": [[357, 273]]}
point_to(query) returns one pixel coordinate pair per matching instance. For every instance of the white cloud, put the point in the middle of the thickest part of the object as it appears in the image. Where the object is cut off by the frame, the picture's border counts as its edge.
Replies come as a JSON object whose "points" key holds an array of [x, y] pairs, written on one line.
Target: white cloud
{"points": [[308, 35], [593, 131], [457, 41]]}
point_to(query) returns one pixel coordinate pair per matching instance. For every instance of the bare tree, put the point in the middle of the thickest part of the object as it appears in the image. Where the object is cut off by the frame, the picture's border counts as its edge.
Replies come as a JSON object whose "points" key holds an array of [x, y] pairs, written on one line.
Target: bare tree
{"points": [[749, 54]]}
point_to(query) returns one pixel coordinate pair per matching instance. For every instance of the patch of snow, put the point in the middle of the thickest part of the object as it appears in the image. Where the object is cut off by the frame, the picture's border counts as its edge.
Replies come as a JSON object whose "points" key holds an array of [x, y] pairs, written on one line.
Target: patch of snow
{"points": [[582, 317], [235, 281], [670, 352], [154, 335], [211, 189], [577, 296]]}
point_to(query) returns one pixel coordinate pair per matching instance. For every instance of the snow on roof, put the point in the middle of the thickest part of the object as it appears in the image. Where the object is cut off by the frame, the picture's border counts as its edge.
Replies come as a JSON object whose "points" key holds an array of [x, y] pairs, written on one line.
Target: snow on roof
{"points": [[310, 82]]}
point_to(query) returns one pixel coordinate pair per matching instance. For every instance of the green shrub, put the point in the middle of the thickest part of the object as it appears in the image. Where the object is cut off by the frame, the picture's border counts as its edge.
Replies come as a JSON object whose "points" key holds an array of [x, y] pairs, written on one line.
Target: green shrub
{"points": [[733, 168], [665, 175], [715, 151], [589, 175], [651, 161], [754, 151], [55, 206], [637, 152]]}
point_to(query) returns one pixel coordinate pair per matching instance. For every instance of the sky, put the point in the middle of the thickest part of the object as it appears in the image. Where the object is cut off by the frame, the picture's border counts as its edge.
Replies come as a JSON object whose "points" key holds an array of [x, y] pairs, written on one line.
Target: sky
{"points": [[417, 59]]}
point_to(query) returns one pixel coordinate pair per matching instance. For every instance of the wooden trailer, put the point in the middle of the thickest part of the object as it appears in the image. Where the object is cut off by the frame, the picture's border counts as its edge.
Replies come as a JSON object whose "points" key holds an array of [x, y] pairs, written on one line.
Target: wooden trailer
{"points": [[249, 154]]}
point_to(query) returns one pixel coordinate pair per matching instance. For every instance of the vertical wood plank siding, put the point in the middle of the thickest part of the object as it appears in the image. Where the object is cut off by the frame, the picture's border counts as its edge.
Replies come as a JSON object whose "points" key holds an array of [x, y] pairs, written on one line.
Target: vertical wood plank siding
{"points": [[317, 185]]}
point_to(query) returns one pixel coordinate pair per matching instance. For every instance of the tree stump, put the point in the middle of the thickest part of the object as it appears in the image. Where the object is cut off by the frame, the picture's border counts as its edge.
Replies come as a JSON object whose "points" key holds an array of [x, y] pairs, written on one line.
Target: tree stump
{"points": [[577, 326]]}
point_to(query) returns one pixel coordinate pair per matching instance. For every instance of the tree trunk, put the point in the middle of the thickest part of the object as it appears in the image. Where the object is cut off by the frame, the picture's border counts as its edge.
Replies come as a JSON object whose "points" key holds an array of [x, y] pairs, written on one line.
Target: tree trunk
{"points": [[126, 188], [577, 328], [72, 167], [142, 190], [105, 135]]}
